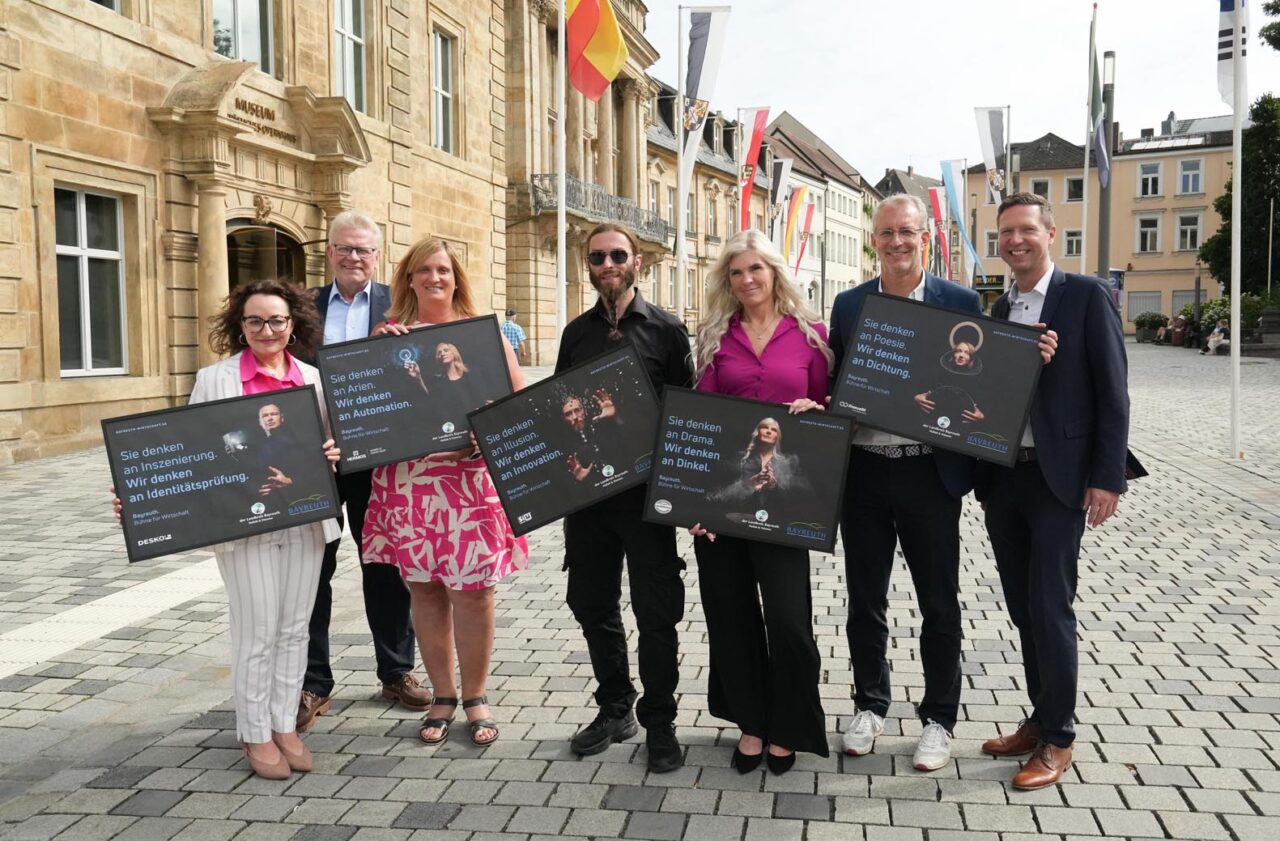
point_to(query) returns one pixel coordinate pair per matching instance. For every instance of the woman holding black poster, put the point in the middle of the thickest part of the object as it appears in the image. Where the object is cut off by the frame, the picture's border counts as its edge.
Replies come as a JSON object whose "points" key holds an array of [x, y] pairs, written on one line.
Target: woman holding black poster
{"points": [[438, 518], [759, 340], [271, 579]]}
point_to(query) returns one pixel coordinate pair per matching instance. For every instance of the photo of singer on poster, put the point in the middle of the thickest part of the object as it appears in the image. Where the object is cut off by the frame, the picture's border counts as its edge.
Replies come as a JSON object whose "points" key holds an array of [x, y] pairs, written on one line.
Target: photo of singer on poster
{"points": [[946, 378], [396, 397], [213, 472], [570, 441], [748, 469]]}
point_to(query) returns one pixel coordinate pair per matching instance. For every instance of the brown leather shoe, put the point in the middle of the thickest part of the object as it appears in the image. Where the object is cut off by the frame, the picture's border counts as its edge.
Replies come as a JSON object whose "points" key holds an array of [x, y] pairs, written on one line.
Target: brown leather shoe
{"points": [[310, 706], [1044, 768], [408, 692], [1019, 742]]}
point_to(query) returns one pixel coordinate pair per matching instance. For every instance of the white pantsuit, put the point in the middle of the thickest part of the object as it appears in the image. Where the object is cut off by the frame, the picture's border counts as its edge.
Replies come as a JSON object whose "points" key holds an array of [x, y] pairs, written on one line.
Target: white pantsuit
{"points": [[271, 582]]}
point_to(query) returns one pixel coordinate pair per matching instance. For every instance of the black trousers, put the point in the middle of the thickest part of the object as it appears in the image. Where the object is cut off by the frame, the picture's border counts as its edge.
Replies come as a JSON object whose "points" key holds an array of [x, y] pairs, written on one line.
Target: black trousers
{"points": [[1036, 540], [765, 665], [890, 501], [386, 601], [595, 541]]}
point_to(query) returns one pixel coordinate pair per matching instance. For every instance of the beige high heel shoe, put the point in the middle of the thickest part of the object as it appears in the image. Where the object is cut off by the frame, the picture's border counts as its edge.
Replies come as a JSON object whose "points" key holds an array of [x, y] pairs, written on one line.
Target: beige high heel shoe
{"points": [[268, 770]]}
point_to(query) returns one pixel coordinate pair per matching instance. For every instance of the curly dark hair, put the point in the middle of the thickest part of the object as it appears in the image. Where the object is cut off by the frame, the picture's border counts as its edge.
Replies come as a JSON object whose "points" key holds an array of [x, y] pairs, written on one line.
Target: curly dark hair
{"points": [[225, 334]]}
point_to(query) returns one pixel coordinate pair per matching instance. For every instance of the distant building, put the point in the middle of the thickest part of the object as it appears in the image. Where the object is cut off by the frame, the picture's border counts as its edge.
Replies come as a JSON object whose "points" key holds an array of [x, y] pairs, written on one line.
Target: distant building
{"points": [[914, 184], [838, 255], [1162, 191]]}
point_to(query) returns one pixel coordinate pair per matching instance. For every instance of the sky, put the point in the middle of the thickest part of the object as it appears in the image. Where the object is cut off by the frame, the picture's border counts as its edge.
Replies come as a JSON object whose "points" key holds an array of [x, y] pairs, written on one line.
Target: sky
{"points": [[893, 83]]}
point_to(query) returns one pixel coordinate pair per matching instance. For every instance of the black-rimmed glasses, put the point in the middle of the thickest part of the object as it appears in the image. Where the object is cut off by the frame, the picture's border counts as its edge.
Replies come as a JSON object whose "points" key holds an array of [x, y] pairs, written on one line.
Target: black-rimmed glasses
{"points": [[256, 325]]}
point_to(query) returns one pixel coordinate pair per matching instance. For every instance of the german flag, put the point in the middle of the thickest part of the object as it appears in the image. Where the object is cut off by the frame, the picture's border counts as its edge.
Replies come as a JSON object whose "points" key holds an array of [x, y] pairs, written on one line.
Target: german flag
{"points": [[594, 46]]}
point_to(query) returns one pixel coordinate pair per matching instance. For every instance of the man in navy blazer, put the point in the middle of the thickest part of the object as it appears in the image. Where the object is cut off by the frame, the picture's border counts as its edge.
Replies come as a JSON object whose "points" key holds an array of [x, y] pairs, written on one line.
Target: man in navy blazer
{"points": [[901, 491], [349, 307], [1070, 470]]}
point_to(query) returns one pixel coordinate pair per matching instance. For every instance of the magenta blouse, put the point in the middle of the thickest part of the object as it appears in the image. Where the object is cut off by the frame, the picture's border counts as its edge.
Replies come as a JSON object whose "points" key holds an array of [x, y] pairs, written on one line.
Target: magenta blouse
{"points": [[789, 368]]}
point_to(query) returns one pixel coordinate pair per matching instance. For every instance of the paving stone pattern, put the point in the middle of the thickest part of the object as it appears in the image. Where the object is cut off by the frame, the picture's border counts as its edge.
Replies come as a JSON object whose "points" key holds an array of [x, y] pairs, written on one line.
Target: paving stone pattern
{"points": [[132, 737]]}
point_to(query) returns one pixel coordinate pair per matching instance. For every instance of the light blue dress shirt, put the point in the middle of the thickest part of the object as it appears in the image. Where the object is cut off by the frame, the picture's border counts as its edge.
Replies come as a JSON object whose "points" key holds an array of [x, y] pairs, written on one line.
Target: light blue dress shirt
{"points": [[346, 321]]}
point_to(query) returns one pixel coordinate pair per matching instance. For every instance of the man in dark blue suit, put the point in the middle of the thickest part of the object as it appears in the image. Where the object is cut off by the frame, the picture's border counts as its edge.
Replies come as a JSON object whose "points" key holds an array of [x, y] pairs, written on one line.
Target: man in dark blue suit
{"points": [[1070, 470], [902, 491], [349, 307]]}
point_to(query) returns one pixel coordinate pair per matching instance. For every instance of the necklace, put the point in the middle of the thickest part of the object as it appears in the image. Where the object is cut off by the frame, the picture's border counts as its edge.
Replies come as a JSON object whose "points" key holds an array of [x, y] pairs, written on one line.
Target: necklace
{"points": [[764, 332]]}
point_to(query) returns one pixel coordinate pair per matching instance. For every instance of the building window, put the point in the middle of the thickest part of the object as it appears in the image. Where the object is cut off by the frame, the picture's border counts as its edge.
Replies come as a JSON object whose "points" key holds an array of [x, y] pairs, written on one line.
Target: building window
{"points": [[91, 309], [1188, 231], [1149, 179], [1185, 297], [670, 299], [713, 220], [1189, 177], [1040, 186], [993, 244], [1071, 243], [242, 30], [444, 50], [689, 302], [653, 196], [690, 221], [113, 5], [671, 205], [1075, 189], [348, 51], [1148, 235], [1140, 302], [760, 222]]}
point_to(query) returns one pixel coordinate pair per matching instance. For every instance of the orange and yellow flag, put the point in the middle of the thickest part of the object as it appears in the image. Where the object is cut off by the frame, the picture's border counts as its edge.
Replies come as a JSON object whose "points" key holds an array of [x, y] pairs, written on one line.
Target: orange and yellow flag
{"points": [[594, 46]]}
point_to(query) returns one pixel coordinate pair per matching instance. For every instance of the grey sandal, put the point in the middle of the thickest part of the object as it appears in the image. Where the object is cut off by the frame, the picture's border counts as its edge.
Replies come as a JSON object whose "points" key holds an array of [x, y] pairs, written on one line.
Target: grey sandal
{"points": [[480, 723], [441, 724]]}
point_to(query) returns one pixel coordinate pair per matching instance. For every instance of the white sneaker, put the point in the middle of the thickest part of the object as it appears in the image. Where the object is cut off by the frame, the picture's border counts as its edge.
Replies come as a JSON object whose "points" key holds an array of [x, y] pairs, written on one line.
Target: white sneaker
{"points": [[860, 735], [934, 749]]}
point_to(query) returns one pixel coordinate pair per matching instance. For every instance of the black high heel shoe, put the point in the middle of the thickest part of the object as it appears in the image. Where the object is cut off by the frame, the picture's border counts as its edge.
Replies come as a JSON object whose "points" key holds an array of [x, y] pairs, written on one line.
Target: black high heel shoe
{"points": [[780, 764], [745, 762]]}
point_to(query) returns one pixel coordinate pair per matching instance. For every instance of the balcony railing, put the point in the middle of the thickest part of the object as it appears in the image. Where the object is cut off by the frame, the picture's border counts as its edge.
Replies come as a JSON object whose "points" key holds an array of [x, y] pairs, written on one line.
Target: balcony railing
{"points": [[599, 205]]}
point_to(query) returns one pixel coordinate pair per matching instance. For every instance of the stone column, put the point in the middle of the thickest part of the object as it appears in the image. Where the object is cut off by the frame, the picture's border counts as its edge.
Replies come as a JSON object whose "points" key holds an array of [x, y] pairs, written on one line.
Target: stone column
{"points": [[211, 268], [605, 167], [632, 142], [573, 132]]}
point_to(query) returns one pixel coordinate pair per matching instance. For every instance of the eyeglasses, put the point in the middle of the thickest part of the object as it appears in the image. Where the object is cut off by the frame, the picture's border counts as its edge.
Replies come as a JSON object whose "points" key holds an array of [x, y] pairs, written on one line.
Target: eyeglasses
{"points": [[354, 250], [256, 325], [903, 233], [619, 256]]}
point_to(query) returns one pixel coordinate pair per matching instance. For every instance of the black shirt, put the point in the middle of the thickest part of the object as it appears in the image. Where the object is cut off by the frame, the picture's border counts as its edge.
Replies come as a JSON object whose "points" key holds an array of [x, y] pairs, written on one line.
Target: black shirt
{"points": [[659, 337]]}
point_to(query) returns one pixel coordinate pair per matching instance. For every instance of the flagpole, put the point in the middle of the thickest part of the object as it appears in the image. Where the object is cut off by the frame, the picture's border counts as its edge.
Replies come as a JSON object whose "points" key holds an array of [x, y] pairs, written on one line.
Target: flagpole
{"points": [[562, 284], [1237, 157], [681, 187], [1088, 143]]}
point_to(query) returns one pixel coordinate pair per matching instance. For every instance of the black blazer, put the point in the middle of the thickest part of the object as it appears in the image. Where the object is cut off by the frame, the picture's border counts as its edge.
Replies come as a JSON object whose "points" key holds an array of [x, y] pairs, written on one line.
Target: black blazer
{"points": [[955, 470], [1080, 411], [379, 303]]}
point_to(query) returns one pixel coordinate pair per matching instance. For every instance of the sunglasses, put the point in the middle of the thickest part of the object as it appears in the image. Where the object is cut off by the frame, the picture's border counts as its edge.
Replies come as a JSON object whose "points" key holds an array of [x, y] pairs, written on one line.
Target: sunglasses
{"points": [[619, 257]]}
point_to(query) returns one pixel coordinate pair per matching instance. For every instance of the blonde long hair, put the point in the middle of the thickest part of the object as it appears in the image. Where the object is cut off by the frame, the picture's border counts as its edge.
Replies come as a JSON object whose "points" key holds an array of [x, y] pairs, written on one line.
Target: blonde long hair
{"points": [[404, 303], [722, 305]]}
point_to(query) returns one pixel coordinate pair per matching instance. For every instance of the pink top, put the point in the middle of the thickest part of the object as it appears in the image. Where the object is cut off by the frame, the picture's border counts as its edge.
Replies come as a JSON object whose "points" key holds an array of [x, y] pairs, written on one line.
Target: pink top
{"points": [[789, 368], [257, 379]]}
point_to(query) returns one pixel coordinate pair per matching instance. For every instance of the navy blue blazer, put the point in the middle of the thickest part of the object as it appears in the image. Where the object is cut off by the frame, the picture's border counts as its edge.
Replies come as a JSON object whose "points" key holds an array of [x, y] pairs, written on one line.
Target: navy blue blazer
{"points": [[955, 470], [379, 301], [1080, 411]]}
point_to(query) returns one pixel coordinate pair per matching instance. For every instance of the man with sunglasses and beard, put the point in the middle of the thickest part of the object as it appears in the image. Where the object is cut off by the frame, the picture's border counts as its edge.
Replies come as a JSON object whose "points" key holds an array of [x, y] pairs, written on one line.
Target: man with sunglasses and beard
{"points": [[599, 536]]}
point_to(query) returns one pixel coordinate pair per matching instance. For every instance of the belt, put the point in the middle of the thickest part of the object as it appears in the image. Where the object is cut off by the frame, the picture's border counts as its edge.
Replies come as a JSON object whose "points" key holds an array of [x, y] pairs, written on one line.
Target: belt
{"points": [[1026, 454], [897, 450]]}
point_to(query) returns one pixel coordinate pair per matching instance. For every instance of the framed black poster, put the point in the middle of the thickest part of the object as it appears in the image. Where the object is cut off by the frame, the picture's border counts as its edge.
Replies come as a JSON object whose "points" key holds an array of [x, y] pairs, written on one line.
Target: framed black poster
{"points": [[572, 440], [748, 469], [946, 378], [394, 398], [212, 472]]}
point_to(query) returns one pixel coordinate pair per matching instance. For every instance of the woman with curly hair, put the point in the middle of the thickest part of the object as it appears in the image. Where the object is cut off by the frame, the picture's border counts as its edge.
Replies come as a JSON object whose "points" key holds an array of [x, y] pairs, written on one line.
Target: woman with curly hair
{"points": [[761, 341], [271, 579], [438, 518]]}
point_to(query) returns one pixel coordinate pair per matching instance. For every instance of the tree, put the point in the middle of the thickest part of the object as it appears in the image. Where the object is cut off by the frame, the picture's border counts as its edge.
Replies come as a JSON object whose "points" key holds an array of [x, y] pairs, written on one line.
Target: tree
{"points": [[1261, 184], [1270, 33]]}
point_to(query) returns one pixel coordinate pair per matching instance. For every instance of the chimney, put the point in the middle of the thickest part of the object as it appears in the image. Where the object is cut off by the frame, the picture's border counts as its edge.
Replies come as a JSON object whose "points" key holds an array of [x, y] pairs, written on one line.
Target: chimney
{"points": [[910, 170], [1148, 133], [1166, 126]]}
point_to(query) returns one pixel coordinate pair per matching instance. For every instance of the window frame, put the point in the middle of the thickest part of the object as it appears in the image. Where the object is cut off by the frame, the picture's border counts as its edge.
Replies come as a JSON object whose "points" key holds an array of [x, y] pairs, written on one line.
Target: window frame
{"points": [[1199, 174], [83, 254], [1138, 231], [444, 103], [993, 245], [1074, 179], [1199, 229], [1048, 188], [269, 49], [713, 217], [1158, 192], [1069, 237], [344, 15]]}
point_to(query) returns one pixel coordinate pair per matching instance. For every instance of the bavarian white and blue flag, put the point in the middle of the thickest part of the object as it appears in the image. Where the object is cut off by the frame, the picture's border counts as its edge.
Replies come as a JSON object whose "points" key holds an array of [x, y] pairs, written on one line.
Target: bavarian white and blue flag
{"points": [[1226, 38]]}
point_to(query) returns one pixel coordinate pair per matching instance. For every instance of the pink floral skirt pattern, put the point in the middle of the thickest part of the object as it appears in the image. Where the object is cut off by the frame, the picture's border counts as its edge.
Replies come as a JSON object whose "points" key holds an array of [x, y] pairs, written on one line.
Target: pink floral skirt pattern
{"points": [[441, 521]]}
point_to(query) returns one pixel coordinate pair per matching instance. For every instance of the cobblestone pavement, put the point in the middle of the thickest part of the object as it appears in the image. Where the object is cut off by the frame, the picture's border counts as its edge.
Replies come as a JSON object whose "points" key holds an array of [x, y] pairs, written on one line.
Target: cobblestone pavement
{"points": [[126, 732]]}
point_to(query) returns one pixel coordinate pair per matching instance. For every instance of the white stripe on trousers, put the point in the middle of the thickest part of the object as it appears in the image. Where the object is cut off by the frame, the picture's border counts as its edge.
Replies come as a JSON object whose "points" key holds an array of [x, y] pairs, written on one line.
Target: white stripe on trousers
{"points": [[271, 582]]}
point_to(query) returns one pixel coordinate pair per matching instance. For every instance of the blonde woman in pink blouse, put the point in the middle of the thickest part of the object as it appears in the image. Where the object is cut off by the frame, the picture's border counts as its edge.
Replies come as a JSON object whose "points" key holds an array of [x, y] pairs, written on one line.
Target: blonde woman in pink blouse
{"points": [[761, 341]]}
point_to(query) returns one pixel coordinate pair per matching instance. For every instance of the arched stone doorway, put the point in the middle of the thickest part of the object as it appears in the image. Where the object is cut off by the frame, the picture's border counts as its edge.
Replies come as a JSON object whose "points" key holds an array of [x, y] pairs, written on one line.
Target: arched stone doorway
{"points": [[258, 251]]}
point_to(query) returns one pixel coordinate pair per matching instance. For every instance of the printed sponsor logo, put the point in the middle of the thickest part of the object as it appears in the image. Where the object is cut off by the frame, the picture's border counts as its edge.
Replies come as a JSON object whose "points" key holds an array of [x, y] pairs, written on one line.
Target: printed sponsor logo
{"points": [[525, 517], [662, 506], [159, 538]]}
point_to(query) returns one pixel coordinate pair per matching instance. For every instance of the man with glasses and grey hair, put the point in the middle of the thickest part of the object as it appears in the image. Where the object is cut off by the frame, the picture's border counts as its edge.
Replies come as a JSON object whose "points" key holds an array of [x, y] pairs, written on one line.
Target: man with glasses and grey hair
{"points": [[900, 491], [349, 307]]}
